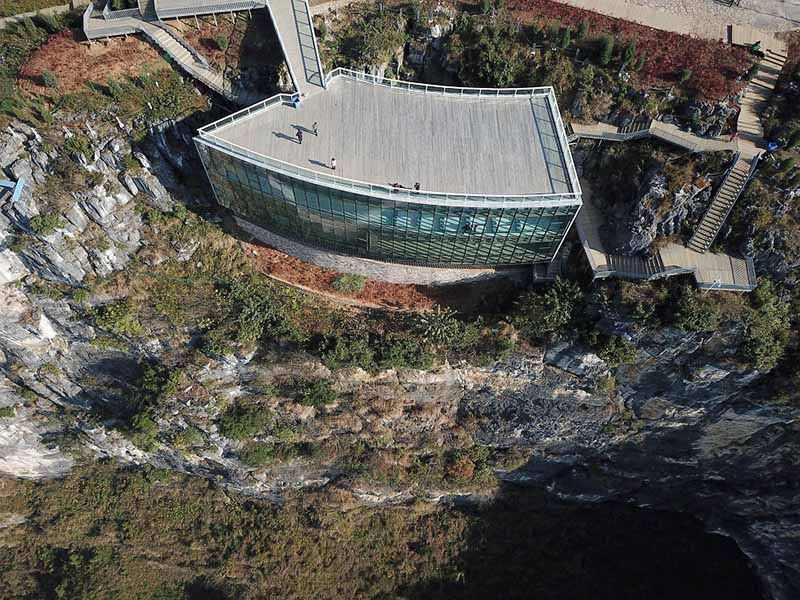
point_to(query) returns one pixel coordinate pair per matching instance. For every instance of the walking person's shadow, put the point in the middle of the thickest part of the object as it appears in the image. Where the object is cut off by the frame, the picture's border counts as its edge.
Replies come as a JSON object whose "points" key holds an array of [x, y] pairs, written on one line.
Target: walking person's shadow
{"points": [[283, 136]]}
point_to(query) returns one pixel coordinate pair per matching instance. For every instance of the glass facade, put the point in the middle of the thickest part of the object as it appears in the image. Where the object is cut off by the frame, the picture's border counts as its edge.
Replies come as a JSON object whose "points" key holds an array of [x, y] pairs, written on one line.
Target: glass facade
{"points": [[382, 228]]}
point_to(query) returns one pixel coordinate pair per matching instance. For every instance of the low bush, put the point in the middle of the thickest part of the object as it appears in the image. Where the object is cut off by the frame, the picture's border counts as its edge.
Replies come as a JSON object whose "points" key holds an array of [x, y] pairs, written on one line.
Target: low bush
{"points": [[348, 283], [120, 317], [47, 223], [49, 79], [317, 393], [221, 42], [695, 312], [244, 420], [257, 454], [537, 314], [767, 326]]}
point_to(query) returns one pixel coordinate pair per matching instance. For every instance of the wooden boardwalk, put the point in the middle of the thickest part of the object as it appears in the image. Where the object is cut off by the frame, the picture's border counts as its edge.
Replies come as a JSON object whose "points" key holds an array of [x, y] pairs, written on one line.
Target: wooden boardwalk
{"points": [[291, 18], [710, 271], [384, 135]]}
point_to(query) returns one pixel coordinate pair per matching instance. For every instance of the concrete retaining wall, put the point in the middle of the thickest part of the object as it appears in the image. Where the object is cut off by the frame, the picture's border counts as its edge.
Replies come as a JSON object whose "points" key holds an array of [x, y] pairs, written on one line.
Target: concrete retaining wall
{"points": [[373, 269]]}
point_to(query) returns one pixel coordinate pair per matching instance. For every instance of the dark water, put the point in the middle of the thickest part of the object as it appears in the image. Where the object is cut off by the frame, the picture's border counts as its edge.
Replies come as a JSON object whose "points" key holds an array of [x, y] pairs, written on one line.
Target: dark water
{"points": [[528, 547]]}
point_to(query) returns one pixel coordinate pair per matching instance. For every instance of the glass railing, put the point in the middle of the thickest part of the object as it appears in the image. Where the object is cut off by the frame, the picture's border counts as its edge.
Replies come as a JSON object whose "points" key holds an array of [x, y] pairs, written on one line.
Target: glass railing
{"points": [[442, 90]]}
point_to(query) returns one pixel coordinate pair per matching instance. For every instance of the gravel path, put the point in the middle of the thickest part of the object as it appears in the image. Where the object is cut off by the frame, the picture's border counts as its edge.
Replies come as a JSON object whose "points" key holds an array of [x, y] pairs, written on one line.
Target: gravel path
{"points": [[769, 15]]}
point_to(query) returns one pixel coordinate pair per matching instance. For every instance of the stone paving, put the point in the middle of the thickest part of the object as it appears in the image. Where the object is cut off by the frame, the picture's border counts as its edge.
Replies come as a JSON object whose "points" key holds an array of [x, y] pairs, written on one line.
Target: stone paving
{"points": [[703, 18]]}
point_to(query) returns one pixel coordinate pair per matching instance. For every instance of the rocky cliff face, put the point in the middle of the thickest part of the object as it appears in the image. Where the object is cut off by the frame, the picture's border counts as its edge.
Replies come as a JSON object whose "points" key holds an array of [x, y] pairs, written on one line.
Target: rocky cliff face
{"points": [[677, 429]]}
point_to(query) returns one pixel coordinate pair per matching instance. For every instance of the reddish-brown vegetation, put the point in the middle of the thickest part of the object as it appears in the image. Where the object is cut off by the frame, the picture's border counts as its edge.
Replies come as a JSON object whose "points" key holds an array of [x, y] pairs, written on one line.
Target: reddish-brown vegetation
{"points": [[715, 66], [75, 63], [297, 272]]}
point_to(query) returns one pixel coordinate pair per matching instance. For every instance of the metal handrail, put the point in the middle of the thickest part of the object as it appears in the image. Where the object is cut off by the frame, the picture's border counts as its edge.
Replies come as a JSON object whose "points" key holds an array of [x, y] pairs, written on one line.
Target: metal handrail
{"points": [[431, 88], [207, 8], [181, 41], [87, 15]]}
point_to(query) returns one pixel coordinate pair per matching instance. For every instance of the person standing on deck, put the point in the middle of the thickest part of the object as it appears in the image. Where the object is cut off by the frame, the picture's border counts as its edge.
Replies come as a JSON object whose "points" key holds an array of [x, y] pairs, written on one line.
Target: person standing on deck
{"points": [[300, 136], [314, 128], [333, 163]]}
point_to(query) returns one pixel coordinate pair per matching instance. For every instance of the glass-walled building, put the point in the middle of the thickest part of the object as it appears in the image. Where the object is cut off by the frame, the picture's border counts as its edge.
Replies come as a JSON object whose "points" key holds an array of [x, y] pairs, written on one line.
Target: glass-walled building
{"points": [[441, 177]]}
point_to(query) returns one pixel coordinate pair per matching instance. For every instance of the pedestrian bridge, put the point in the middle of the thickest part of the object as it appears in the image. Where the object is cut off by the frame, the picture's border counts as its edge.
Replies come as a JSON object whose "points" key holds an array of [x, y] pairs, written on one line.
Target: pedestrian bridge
{"points": [[292, 20]]}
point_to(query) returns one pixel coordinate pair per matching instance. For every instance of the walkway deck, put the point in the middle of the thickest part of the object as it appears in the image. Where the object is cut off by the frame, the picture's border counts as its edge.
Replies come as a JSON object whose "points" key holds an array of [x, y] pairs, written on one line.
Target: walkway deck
{"points": [[449, 143], [710, 271], [292, 21], [291, 18]]}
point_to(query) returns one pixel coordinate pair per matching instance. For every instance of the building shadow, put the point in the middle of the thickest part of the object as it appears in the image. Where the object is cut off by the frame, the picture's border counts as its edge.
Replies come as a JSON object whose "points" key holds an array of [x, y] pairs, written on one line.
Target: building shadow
{"points": [[526, 545]]}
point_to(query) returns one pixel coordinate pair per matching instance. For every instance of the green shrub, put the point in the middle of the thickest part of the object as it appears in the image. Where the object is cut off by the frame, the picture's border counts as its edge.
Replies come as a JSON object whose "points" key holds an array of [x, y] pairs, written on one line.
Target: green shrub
{"points": [[686, 75], [399, 352], [486, 6], [539, 314], [120, 317], [641, 61], [78, 145], [49, 79], [348, 351], [187, 438], [80, 296], [7, 411], [616, 351], [221, 42], [244, 420], [696, 313], [318, 393], [143, 431], [629, 53], [582, 30], [794, 138], [606, 49], [767, 326], [439, 327], [565, 38], [257, 454], [348, 283], [47, 223]]}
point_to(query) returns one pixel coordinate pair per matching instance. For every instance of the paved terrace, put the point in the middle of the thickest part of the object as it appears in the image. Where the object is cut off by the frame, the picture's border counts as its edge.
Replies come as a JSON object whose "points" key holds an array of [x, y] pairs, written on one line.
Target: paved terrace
{"points": [[488, 145]]}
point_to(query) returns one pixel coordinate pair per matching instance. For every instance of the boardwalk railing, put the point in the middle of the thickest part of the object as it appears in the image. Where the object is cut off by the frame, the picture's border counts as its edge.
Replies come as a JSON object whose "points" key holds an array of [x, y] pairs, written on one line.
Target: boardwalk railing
{"points": [[183, 42], [169, 9], [110, 15], [435, 89], [87, 15]]}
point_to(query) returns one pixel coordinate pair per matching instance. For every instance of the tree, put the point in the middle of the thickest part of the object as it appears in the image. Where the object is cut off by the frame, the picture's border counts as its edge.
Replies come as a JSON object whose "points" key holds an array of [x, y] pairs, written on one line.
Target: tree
{"points": [[565, 38], [696, 313], [686, 75], [629, 53], [766, 328], [583, 29], [794, 138], [49, 79], [606, 49], [221, 42], [539, 314]]}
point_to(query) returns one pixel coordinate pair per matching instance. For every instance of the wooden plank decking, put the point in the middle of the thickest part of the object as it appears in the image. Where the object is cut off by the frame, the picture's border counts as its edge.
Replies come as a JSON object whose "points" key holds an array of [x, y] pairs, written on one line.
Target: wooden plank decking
{"points": [[382, 135]]}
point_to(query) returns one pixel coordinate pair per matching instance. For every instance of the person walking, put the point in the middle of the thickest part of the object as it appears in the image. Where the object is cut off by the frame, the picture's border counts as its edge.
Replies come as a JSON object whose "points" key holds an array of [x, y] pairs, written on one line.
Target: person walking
{"points": [[416, 186], [333, 163], [314, 127], [300, 136]]}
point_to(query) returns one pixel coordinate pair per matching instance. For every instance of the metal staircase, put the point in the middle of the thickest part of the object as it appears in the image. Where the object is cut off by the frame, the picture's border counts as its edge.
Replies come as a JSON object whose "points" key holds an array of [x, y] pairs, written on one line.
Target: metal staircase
{"points": [[722, 204]]}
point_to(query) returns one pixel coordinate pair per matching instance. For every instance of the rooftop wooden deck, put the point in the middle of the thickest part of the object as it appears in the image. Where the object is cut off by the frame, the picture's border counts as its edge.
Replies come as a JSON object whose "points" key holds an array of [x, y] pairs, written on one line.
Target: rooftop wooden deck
{"points": [[507, 145]]}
